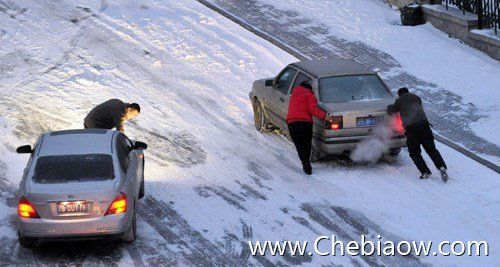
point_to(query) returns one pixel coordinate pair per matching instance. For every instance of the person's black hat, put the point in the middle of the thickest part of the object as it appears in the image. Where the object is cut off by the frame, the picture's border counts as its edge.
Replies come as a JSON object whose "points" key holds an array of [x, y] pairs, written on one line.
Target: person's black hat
{"points": [[135, 106], [403, 91], [306, 84]]}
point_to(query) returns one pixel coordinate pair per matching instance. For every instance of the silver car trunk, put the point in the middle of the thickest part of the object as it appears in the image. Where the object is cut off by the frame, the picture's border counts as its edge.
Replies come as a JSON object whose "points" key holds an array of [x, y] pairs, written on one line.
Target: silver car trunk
{"points": [[96, 195], [358, 109]]}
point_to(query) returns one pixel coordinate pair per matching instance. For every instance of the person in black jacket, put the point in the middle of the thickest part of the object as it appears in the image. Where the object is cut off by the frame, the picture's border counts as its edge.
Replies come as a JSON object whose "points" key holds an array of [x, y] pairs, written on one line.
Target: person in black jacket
{"points": [[418, 132], [111, 114]]}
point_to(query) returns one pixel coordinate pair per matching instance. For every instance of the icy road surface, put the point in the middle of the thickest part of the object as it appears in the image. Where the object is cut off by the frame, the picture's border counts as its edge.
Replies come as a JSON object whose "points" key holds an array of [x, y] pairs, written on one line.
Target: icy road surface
{"points": [[213, 182]]}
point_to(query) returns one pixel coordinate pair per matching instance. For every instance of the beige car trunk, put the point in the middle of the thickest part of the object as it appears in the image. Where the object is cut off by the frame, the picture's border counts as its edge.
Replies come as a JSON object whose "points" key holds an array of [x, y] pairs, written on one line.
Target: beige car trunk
{"points": [[357, 109]]}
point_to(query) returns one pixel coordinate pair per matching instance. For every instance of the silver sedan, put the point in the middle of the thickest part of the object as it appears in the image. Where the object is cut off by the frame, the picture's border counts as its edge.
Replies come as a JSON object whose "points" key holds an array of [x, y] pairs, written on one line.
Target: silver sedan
{"points": [[80, 184]]}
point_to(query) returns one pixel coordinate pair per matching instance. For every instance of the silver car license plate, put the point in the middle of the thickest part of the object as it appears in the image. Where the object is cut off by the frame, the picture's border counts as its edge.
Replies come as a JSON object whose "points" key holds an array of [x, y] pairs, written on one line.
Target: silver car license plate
{"points": [[72, 207], [369, 121]]}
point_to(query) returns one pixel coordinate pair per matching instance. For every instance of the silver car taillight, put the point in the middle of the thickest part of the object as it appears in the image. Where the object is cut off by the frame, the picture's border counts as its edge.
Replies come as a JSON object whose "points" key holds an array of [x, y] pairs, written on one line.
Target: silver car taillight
{"points": [[25, 209]]}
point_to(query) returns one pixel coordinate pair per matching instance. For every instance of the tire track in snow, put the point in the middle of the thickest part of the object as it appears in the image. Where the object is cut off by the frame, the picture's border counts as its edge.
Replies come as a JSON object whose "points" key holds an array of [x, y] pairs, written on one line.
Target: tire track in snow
{"points": [[31, 120], [259, 175], [179, 148], [244, 257], [227, 195], [250, 192], [75, 18], [349, 225], [195, 249], [135, 254], [7, 248], [90, 253]]}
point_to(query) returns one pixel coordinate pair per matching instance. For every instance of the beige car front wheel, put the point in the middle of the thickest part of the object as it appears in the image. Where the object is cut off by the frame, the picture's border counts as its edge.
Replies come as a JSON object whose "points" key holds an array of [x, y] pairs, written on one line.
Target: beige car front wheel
{"points": [[260, 119]]}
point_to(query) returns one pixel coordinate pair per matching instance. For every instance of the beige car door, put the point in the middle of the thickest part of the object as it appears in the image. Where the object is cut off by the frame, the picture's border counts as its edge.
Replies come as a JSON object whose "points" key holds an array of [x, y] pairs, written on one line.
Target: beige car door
{"points": [[279, 97]]}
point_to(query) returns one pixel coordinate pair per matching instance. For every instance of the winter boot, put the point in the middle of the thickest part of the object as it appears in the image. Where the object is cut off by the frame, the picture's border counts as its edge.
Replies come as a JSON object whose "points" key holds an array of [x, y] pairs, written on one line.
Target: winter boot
{"points": [[444, 174], [307, 168], [425, 176]]}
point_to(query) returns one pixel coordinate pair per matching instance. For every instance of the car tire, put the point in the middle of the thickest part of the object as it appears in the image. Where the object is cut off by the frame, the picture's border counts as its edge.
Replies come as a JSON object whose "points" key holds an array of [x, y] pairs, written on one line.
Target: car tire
{"points": [[394, 152], [142, 190], [27, 242], [130, 235], [315, 155], [260, 118]]}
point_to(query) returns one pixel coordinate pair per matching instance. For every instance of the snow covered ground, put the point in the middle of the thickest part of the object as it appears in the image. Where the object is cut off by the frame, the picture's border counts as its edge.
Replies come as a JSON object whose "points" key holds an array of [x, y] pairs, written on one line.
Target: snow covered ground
{"points": [[213, 182]]}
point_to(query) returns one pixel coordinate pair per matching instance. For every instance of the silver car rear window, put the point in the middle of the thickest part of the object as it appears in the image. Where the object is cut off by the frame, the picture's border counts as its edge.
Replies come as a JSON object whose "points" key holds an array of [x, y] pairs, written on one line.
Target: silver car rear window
{"points": [[74, 168], [344, 89]]}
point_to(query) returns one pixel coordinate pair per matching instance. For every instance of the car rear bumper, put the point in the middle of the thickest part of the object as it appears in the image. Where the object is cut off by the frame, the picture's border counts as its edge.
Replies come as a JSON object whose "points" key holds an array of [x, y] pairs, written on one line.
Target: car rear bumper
{"points": [[75, 228], [339, 145]]}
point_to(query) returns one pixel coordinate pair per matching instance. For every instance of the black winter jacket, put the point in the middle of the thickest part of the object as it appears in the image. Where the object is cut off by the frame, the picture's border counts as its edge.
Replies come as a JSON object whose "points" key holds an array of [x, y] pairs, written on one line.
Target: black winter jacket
{"points": [[410, 107], [107, 115]]}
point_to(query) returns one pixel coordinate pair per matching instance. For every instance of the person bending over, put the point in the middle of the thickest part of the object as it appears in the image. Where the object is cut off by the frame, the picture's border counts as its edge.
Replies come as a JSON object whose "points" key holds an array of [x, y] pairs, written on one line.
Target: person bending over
{"points": [[111, 114]]}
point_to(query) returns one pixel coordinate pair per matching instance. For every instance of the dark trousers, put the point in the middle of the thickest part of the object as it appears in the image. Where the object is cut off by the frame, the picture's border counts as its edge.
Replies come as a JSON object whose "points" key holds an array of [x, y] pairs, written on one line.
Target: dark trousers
{"points": [[301, 134], [421, 135]]}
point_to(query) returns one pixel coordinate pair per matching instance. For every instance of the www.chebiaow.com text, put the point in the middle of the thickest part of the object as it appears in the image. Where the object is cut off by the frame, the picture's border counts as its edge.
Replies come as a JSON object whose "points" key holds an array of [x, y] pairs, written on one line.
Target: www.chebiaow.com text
{"points": [[330, 246]]}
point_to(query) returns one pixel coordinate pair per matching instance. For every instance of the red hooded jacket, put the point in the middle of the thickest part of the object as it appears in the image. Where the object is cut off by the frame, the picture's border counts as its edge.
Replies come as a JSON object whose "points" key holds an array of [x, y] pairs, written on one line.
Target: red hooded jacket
{"points": [[303, 106]]}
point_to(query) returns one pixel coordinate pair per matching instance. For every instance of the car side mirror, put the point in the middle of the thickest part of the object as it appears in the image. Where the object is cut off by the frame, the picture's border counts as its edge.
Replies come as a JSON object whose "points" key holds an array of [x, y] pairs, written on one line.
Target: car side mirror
{"points": [[269, 83], [24, 149], [140, 145]]}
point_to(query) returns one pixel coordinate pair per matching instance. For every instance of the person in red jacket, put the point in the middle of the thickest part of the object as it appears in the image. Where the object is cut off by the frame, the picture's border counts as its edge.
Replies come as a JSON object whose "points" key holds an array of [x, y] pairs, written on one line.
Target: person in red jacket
{"points": [[302, 107]]}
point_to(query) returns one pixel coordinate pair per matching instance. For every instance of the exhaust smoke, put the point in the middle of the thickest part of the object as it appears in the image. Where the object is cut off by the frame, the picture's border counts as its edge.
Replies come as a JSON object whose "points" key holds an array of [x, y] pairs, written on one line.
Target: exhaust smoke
{"points": [[374, 147]]}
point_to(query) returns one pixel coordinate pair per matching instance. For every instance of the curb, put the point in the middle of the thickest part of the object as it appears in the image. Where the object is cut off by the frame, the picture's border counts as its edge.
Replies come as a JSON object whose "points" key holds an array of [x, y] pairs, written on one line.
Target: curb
{"points": [[299, 56], [467, 153]]}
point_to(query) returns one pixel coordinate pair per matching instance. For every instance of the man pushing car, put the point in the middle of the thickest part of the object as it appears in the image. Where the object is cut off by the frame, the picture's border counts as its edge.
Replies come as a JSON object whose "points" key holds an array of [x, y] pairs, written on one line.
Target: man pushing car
{"points": [[418, 132], [111, 114]]}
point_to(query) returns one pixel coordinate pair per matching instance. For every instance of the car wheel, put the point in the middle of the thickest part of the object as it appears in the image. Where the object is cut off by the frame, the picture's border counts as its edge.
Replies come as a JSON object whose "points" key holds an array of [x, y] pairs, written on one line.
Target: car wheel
{"points": [[260, 119], [315, 155], [130, 235], [141, 191], [27, 242], [395, 151]]}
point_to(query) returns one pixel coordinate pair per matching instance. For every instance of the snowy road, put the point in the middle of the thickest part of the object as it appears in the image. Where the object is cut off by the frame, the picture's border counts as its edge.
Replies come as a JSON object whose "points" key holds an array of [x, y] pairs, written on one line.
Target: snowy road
{"points": [[458, 84], [213, 182]]}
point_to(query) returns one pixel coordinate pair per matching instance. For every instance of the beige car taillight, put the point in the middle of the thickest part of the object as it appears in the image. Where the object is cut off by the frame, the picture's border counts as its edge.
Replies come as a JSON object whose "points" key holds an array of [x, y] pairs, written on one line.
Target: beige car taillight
{"points": [[336, 124], [397, 123]]}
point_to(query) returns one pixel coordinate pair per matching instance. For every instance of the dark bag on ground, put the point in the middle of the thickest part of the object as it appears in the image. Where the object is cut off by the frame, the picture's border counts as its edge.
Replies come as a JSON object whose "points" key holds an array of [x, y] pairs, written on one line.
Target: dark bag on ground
{"points": [[412, 15]]}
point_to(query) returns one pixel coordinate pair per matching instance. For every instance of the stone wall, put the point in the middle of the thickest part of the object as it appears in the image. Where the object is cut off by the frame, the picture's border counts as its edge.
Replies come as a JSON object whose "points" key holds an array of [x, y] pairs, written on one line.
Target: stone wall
{"points": [[451, 21], [401, 3], [488, 44], [455, 23]]}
